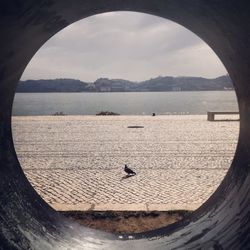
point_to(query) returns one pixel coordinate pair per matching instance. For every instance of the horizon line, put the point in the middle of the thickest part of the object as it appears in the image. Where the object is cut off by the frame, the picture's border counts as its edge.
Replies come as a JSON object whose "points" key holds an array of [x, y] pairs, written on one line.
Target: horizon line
{"points": [[65, 78]]}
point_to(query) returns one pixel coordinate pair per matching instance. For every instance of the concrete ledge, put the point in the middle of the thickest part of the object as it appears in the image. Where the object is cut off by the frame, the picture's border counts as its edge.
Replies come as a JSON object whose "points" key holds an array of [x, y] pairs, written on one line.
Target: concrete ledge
{"points": [[122, 207]]}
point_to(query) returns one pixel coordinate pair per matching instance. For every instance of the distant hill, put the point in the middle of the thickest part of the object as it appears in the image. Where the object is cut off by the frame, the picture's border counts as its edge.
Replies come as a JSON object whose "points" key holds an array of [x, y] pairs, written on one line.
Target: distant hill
{"points": [[56, 85], [187, 84], [166, 83]]}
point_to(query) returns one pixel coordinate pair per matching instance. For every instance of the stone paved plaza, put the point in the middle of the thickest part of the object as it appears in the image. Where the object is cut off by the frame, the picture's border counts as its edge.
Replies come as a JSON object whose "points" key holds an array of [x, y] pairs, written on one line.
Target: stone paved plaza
{"points": [[76, 162]]}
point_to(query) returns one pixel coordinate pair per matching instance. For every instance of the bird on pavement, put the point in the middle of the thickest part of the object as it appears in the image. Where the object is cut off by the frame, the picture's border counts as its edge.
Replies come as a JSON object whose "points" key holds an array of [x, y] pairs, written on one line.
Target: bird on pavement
{"points": [[128, 170]]}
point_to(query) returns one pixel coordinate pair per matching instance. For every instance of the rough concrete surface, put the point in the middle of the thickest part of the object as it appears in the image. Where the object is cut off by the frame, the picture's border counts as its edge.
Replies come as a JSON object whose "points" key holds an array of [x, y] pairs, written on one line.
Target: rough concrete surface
{"points": [[76, 162]]}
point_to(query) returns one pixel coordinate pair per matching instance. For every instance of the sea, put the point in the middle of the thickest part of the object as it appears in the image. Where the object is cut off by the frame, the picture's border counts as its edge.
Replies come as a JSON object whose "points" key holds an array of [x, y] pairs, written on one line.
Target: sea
{"points": [[124, 103]]}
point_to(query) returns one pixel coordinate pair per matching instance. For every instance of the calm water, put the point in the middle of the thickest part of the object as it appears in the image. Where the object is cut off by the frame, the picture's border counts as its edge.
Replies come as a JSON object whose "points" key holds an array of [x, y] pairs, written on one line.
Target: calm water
{"points": [[136, 103]]}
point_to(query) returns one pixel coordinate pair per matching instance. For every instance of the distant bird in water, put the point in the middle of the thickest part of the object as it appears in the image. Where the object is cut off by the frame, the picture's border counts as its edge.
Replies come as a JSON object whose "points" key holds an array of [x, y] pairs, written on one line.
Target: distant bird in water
{"points": [[128, 170]]}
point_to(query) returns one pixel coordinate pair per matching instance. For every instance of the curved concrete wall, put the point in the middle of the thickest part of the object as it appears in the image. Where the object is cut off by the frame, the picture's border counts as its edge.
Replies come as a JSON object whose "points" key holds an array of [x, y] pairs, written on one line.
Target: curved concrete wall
{"points": [[27, 222]]}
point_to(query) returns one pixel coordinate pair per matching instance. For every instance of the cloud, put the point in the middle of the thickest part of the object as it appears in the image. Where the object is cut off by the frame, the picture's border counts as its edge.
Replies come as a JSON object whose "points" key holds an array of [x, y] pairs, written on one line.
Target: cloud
{"points": [[126, 45]]}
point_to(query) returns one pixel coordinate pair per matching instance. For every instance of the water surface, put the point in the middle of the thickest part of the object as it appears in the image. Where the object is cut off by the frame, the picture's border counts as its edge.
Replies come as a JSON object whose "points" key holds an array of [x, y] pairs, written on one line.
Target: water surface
{"points": [[129, 103]]}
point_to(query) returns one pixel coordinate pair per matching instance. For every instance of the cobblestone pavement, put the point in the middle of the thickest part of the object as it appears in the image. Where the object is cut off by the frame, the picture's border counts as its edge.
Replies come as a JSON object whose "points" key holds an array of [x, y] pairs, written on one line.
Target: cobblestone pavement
{"points": [[76, 162]]}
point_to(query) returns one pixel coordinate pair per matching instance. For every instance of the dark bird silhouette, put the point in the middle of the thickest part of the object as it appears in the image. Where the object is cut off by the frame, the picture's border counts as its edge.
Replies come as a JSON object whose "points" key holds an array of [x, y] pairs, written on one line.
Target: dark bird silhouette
{"points": [[128, 170]]}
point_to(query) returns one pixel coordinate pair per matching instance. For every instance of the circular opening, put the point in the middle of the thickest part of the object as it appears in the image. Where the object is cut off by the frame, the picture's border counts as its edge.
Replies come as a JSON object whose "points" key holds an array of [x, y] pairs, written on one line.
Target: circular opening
{"points": [[173, 155]]}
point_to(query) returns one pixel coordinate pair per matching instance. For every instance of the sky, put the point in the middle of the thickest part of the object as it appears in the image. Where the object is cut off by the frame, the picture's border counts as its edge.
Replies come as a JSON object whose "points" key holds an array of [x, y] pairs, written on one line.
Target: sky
{"points": [[123, 45]]}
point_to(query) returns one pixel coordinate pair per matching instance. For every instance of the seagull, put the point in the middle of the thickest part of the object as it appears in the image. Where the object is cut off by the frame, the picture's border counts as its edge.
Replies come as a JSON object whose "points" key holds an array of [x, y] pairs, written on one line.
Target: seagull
{"points": [[128, 170]]}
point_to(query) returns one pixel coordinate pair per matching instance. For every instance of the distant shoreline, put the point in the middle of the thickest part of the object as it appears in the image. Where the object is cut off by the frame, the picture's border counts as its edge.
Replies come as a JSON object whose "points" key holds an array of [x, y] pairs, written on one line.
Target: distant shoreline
{"points": [[103, 85], [120, 115]]}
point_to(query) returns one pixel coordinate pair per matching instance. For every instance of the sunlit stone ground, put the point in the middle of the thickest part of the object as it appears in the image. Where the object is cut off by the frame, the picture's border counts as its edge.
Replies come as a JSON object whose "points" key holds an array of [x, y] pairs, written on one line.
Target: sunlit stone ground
{"points": [[76, 162]]}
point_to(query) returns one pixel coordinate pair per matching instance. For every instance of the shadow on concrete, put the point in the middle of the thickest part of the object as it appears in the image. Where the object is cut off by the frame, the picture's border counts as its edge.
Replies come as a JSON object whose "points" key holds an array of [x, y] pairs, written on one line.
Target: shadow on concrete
{"points": [[127, 176], [226, 120]]}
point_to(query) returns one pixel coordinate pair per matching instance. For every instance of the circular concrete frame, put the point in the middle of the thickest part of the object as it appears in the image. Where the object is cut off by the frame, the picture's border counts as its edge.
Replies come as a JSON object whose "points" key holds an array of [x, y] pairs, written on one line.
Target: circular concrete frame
{"points": [[27, 222]]}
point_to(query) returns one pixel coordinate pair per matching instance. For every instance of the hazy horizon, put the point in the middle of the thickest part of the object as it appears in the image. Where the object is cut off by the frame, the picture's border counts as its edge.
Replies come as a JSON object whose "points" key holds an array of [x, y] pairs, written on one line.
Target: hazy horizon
{"points": [[67, 78], [123, 45]]}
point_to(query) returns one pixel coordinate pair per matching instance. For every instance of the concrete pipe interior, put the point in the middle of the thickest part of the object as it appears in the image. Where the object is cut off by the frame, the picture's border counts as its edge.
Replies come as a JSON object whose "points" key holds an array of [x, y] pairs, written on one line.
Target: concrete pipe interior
{"points": [[27, 222]]}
